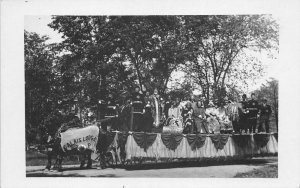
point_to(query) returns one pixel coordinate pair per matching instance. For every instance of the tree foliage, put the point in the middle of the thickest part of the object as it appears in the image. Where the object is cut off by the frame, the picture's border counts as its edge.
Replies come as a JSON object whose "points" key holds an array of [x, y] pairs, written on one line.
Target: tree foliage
{"points": [[221, 46], [152, 46], [40, 81]]}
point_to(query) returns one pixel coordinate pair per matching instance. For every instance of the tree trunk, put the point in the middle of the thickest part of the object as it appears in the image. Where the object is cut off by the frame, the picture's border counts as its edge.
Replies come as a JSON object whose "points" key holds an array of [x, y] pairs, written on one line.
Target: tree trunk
{"points": [[207, 95]]}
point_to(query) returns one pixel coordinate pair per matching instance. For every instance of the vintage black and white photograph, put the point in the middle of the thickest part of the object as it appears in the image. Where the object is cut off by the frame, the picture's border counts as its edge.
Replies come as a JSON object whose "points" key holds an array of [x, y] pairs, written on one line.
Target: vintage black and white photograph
{"points": [[153, 96]]}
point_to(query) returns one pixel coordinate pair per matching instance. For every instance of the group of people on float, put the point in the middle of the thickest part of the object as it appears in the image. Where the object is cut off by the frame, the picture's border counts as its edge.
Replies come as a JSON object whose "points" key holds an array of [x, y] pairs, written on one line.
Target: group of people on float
{"points": [[251, 111], [193, 115]]}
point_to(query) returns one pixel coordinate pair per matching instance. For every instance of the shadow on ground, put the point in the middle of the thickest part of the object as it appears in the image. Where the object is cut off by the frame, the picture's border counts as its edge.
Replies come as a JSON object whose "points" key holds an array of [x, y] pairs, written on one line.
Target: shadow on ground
{"points": [[41, 174], [203, 163]]}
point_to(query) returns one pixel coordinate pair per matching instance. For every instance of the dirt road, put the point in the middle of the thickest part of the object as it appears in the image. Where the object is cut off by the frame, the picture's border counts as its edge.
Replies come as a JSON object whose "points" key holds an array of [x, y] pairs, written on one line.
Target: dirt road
{"points": [[183, 170]]}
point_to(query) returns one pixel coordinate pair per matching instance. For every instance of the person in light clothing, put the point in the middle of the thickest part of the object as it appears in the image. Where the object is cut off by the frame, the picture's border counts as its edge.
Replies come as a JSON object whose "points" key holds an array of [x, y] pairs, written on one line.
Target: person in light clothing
{"points": [[199, 116], [156, 108], [174, 121], [213, 124], [223, 118]]}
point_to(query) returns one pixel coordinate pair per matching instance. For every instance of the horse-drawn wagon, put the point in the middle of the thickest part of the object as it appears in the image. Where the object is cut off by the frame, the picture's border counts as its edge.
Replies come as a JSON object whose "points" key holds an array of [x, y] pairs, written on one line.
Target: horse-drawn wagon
{"points": [[124, 145]]}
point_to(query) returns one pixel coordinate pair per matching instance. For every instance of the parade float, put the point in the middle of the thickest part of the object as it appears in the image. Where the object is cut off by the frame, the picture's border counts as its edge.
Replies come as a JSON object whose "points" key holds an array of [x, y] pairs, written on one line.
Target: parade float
{"points": [[170, 143]]}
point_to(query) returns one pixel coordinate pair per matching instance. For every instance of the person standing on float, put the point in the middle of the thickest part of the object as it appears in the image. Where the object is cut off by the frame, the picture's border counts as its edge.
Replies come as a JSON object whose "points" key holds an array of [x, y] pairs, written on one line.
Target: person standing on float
{"points": [[264, 116], [148, 119], [168, 104], [252, 115], [211, 114], [138, 107], [243, 114], [156, 108], [200, 117]]}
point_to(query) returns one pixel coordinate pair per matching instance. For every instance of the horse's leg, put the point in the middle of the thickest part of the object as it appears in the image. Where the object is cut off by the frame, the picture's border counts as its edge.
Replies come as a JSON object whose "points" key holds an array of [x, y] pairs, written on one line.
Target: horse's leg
{"points": [[60, 163], [102, 161], [82, 160], [49, 156], [89, 162], [55, 166]]}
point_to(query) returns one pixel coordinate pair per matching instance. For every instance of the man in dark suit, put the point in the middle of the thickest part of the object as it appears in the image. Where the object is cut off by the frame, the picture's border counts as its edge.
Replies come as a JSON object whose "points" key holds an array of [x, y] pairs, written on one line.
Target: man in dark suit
{"points": [[168, 105], [243, 124], [252, 115], [264, 114], [138, 107]]}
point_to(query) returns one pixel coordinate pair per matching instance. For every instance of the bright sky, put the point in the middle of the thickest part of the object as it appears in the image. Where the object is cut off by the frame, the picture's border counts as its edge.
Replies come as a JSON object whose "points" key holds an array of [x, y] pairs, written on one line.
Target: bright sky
{"points": [[39, 24]]}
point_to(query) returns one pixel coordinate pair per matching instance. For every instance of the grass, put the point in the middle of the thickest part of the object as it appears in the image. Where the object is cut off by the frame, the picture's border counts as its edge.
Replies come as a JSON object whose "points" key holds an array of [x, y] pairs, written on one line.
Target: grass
{"points": [[34, 158], [270, 171]]}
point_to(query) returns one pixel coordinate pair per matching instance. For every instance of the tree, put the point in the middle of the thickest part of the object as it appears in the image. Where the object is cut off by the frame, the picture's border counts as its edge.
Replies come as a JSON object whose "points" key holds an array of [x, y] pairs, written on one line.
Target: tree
{"points": [[154, 45], [149, 46], [90, 66], [221, 46], [40, 82]]}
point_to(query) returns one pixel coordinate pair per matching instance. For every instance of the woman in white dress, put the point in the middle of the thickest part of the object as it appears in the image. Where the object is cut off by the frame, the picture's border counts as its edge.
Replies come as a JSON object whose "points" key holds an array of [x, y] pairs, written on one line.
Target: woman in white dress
{"points": [[213, 123], [223, 117], [174, 122]]}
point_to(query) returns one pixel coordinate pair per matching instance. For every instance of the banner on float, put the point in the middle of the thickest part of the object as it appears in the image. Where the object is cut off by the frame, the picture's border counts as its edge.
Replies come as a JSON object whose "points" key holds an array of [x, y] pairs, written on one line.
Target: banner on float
{"points": [[80, 138]]}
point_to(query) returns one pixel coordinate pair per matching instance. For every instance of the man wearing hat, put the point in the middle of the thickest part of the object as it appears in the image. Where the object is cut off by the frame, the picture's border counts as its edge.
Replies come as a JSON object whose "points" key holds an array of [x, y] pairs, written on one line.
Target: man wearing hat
{"points": [[252, 115], [264, 114], [243, 114], [126, 114], [138, 106], [168, 104]]}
